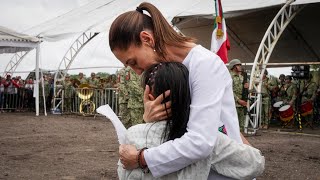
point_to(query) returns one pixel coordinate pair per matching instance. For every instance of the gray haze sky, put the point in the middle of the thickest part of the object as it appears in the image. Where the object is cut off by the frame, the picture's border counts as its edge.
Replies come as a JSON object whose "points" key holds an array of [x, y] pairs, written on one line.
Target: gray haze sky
{"points": [[21, 15]]}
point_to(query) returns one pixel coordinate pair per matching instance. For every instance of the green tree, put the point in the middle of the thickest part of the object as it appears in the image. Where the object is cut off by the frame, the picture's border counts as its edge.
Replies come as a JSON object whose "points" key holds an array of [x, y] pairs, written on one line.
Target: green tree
{"points": [[103, 74], [73, 76], [315, 67]]}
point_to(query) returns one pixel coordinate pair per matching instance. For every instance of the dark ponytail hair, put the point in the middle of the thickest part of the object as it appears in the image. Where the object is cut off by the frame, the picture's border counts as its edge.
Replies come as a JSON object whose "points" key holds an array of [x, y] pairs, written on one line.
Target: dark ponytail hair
{"points": [[171, 76], [125, 30]]}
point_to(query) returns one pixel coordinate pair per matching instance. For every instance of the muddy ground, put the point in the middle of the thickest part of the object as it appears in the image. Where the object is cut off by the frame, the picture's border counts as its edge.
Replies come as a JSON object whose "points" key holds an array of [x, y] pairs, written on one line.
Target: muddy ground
{"points": [[76, 147]]}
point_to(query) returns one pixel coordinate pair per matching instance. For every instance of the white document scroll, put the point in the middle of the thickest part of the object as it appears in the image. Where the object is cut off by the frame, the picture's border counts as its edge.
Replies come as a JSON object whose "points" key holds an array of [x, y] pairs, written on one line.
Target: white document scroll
{"points": [[120, 129]]}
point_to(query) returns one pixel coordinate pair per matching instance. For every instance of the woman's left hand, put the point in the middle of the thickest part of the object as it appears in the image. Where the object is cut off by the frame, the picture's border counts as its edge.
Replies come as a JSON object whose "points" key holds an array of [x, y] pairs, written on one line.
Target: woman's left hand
{"points": [[154, 109], [128, 156]]}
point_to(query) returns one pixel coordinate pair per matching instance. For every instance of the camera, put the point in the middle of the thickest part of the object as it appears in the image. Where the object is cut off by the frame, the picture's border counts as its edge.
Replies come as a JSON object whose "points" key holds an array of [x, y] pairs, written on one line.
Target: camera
{"points": [[300, 71]]}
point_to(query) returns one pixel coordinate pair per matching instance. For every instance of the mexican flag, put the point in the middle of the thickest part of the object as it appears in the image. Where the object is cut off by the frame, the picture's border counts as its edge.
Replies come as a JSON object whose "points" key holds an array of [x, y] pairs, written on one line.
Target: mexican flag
{"points": [[219, 42]]}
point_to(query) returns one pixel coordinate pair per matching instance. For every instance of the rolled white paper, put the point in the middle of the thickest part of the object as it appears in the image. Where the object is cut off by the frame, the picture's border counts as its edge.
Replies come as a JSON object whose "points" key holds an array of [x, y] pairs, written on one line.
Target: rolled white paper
{"points": [[120, 129]]}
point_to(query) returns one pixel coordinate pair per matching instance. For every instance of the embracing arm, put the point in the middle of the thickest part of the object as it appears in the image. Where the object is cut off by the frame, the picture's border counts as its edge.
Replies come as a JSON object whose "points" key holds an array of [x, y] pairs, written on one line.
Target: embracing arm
{"points": [[211, 88], [208, 81], [235, 160]]}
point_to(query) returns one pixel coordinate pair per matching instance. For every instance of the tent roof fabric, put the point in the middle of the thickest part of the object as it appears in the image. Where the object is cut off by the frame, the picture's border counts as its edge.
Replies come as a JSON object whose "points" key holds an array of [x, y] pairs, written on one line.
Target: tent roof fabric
{"points": [[10, 35], [298, 43], [12, 42], [99, 14]]}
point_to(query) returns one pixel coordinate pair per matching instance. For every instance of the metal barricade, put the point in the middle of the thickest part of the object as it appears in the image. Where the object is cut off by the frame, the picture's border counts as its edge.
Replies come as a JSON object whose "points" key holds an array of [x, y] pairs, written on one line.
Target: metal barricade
{"points": [[21, 99], [83, 100], [13, 99]]}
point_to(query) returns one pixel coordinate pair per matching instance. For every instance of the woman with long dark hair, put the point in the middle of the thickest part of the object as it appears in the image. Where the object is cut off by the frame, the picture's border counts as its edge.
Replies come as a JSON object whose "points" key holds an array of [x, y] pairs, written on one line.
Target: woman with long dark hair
{"points": [[143, 37], [173, 76]]}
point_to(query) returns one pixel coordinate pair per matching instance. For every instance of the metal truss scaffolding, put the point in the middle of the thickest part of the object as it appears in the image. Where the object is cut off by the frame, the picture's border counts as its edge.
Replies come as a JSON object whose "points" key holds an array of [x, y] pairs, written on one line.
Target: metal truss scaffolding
{"points": [[65, 64], [14, 62], [269, 41]]}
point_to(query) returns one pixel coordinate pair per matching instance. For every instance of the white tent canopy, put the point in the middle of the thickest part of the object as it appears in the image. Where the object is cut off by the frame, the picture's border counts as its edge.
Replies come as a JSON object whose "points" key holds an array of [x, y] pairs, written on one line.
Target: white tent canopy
{"points": [[97, 15], [300, 41], [12, 42], [102, 12]]}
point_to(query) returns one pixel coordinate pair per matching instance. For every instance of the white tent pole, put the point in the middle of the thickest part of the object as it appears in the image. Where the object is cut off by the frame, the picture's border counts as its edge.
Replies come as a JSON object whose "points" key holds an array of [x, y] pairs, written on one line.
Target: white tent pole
{"points": [[37, 79], [44, 96]]}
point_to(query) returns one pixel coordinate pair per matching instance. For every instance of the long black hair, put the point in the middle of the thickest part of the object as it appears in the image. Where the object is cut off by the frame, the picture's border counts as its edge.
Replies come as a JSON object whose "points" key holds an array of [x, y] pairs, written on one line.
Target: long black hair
{"points": [[171, 76]]}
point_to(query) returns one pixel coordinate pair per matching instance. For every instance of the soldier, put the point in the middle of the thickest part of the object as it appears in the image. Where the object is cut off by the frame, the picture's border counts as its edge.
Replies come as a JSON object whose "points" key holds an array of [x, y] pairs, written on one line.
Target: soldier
{"points": [[273, 88], [123, 98], [281, 80], [135, 102], [46, 85], [238, 87], [99, 82], [108, 83], [308, 90], [281, 84], [68, 94], [288, 93], [265, 93], [93, 81], [82, 79]]}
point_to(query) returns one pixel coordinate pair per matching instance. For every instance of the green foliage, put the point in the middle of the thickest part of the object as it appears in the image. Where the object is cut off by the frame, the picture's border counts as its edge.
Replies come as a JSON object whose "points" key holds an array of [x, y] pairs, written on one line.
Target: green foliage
{"points": [[73, 76], [102, 74], [315, 67]]}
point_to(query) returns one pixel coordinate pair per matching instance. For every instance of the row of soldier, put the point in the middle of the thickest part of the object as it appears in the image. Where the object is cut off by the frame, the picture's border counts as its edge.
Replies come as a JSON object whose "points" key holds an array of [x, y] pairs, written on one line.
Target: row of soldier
{"points": [[18, 94], [101, 88], [276, 94], [93, 81]]}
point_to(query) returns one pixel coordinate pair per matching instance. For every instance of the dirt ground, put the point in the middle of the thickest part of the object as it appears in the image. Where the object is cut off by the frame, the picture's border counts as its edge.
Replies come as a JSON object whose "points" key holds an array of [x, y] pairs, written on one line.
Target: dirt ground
{"points": [[75, 147]]}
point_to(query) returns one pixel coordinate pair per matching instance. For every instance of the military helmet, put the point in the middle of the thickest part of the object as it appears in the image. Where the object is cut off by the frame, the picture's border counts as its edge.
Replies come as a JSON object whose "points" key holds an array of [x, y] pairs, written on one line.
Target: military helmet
{"points": [[288, 77], [233, 63]]}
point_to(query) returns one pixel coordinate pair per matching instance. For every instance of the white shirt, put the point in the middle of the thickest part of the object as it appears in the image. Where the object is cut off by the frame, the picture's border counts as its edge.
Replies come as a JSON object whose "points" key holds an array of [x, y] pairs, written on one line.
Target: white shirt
{"points": [[212, 104], [29, 86], [229, 158]]}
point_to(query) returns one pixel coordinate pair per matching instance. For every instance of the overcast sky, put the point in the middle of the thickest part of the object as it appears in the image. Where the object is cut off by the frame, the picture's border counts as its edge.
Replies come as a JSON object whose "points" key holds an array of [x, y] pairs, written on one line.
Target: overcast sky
{"points": [[20, 15]]}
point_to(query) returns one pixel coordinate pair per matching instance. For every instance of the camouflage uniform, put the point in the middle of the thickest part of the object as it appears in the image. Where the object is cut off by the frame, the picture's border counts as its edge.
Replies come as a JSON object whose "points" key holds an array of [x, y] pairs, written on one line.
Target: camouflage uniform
{"points": [[265, 110], [46, 93], [123, 98], [273, 88], [93, 82], [282, 92], [98, 95], [68, 95], [289, 94], [308, 92], [83, 80], [237, 93], [135, 102]]}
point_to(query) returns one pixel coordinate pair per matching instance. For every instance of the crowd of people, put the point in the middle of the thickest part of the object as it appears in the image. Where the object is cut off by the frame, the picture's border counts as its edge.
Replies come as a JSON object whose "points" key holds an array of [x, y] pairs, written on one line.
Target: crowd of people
{"points": [[17, 94], [282, 98]]}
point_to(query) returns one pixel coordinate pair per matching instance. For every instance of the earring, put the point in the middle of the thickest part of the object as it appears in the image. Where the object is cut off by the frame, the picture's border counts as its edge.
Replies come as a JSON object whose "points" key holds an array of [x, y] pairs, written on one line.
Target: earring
{"points": [[154, 50]]}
